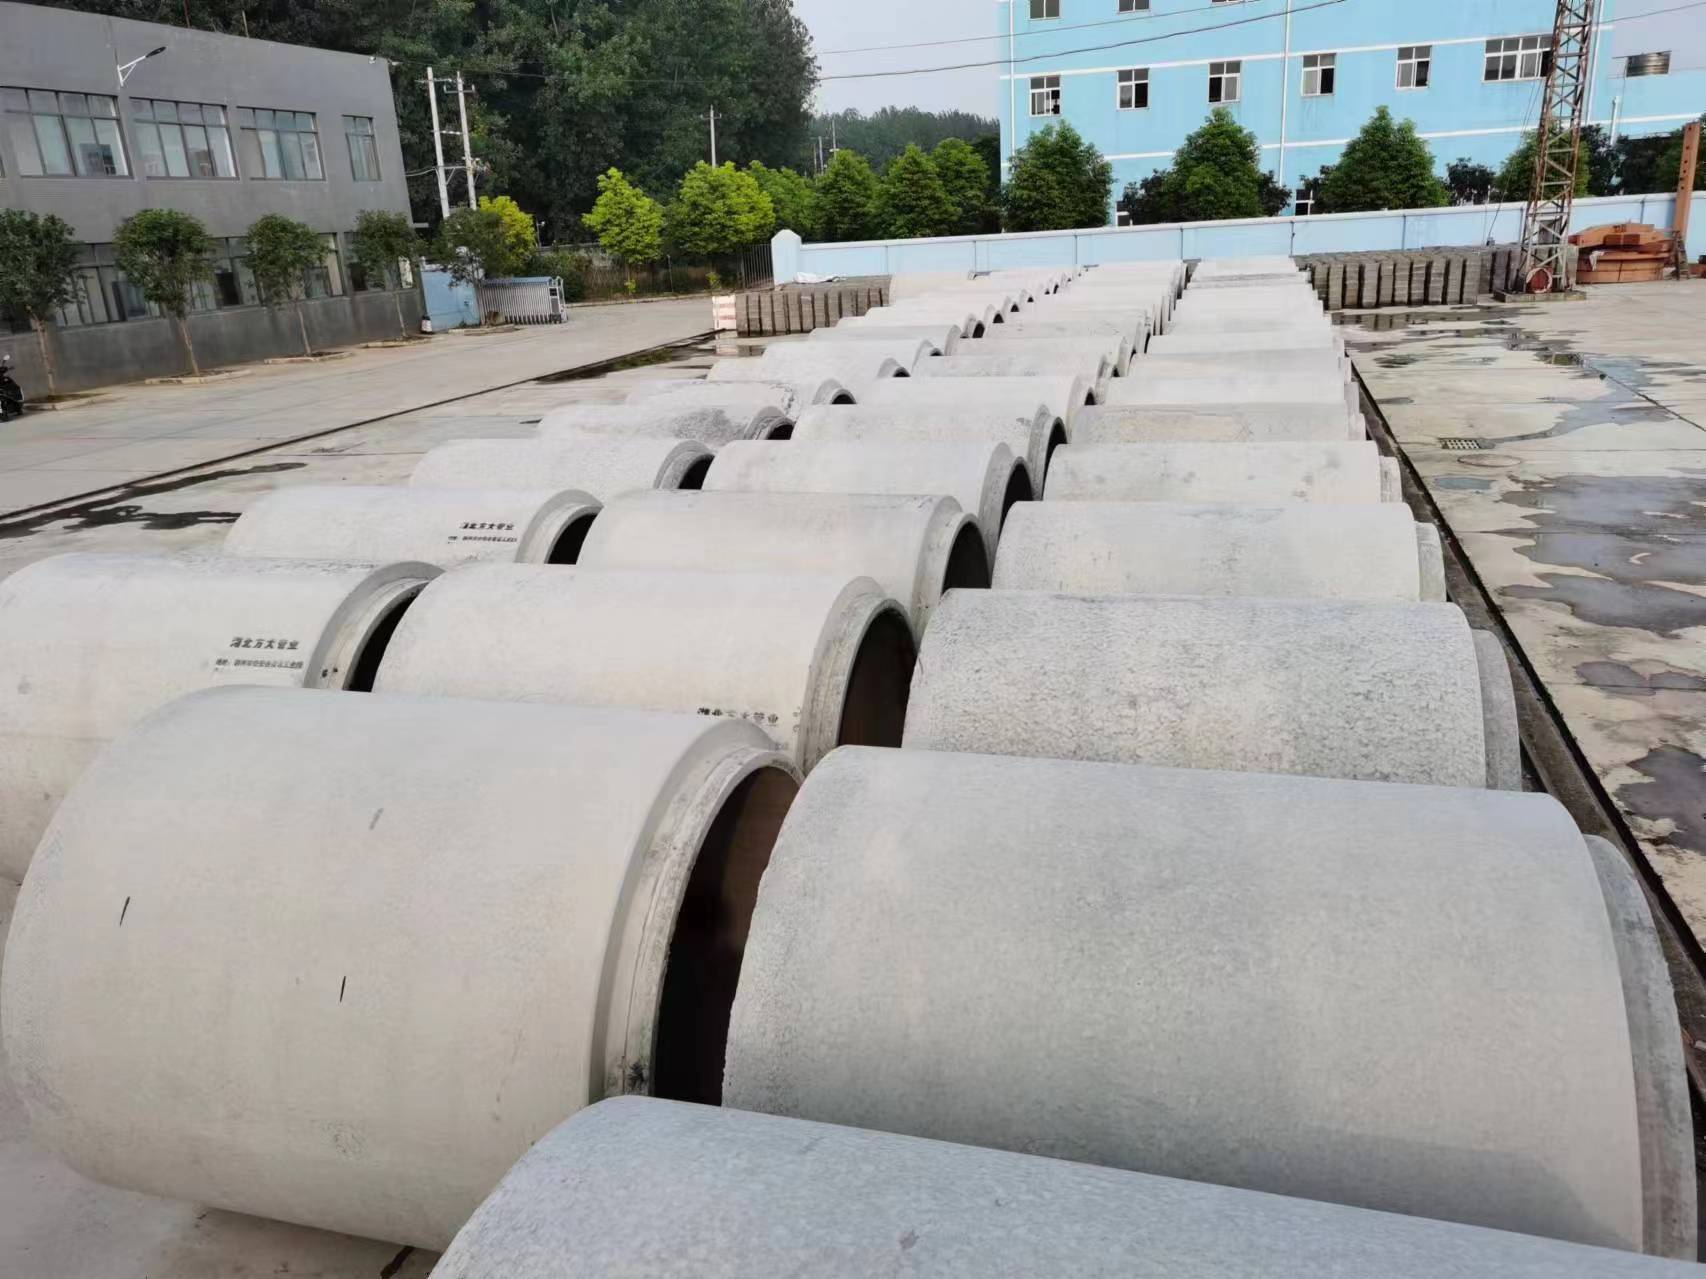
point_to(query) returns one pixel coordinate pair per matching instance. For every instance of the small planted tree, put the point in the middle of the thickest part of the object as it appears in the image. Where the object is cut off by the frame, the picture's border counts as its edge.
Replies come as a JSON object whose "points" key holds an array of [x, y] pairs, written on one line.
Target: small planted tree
{"points": [[965, 178], [793, 198], [1516, 178], [164, 252], [1216, 173], [911, 200], [38, 256], [381, 240], [281, 250], [1386, 166], [1469, 182], [718, 210], [627, 222], [847, 197], [1058, 181], [494, 240], [516, 232]]}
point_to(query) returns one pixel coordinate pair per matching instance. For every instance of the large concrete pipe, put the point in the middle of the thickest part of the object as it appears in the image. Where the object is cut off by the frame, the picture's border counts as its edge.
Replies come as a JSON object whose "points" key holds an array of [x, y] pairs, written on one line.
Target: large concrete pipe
{"points": [[342, 960], [788, 395], [603, 465], [1214, 423], [1303, 551], [1238, 363], [1090, 328], [843, 367], [1498, 711], [984, 477], [859, 355], [1235, 322], [1008, 359], [1264, 473], [1364, 690], [1029, 434], [636, 1186], [1433, 562], [1220, 343], [1398, 997], [1305, 386], [973, 321], [712, 425], [90, 643], [442, 526], [814, 661], [915, 548], [1115, 346], [1063, 395], [944, 337]]}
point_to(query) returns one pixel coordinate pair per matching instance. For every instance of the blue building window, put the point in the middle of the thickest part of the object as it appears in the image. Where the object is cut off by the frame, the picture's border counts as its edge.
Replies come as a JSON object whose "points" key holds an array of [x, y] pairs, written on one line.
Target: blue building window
{"points": [[1134, 6], [1415, 64], [1519, 58], [1318, 69], [1045, 95], [1225, 81], [1041, 9], [1134, 89]]}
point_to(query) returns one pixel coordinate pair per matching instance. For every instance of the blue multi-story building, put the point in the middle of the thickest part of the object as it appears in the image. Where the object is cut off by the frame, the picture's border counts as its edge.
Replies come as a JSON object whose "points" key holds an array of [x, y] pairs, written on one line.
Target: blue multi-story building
{"points": [[1136, 76]]}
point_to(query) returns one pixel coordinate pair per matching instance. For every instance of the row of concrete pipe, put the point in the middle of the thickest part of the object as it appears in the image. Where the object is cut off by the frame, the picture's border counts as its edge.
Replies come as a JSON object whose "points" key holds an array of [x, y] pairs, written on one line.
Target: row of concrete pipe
{"points": [[783, 899]]}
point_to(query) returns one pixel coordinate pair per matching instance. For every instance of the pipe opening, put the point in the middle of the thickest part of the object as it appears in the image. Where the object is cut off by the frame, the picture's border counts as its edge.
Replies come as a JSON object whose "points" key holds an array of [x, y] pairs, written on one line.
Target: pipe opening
{"points": [[968, 562], [902, 373], [1056, 437], [977, 330], [841, 397], [874, 712], [365, 669], [694, 476], [1018, 490], [783, 432], [567, 548], [1089, 397], [709, 942]]}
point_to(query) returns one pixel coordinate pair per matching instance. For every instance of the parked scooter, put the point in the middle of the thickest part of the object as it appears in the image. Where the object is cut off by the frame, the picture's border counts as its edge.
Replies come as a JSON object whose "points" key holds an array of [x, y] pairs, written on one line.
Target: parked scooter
{"points": [[11, 394]]}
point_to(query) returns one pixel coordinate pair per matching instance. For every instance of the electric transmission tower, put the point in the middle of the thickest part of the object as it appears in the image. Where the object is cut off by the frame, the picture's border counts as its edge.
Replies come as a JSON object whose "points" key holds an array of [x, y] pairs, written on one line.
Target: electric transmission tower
{"points": [[1546, 220]]}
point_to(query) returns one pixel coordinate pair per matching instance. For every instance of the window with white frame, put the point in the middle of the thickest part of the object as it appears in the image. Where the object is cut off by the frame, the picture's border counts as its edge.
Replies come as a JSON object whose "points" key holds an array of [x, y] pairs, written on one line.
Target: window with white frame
{"points": [[1134, 89], [1639, 64], [64, 135], [279, 144], [1318, 69], [1224, 81], [1518, 58], [1044, 9], [1134, 6], [1415, 63], [1308, 194], [1045, 95], [181, 139], [363, 148]]}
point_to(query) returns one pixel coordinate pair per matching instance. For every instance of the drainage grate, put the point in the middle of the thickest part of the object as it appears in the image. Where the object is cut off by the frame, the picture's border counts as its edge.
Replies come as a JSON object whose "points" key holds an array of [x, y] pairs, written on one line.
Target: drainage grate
{"points": [[1461, 443]]}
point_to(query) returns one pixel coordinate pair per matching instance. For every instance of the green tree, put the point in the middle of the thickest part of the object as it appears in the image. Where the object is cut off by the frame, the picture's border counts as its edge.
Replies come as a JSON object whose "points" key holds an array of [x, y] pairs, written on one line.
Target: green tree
{"points": [[793, 197], [627, 222], [965, 177], [1670, 162], [1216, 173], [1058, 181], [281, 250], [911, 200], [718, 210], [482, 242], [1386, 166], [885, 133], [164, 252], [1469, 182], [847, 197], [519, 237], [1516, 177], [38, 257], [381, 240]]}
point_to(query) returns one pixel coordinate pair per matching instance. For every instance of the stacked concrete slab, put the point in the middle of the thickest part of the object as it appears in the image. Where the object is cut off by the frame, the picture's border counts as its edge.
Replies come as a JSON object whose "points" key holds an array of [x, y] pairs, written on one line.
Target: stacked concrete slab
{"points": [[1159, 813]]}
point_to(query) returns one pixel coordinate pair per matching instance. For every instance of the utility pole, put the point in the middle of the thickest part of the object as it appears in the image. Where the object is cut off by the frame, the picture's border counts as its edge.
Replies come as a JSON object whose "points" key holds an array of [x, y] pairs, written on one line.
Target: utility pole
{"points": [[437, 147], [1546, 220], [713, 119], [467, 151]]}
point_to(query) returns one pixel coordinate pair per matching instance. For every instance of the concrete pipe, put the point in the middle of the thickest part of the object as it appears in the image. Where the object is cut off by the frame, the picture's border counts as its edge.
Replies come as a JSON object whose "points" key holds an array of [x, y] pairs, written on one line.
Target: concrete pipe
{"points": [[1062, 395], [1498, 712], [390, 522], [634, 1185], [1220, 343], [1302, 387], [1363, 690], [1013, 360], [1208, 323], [712, 425], [1212, 423], [944, 337], [1115, 347], [914, 547], [1399, 997], [1031, 435], [1300, 551], [1239, 363], [789, 396], [984, 477], [859, 355], [1089, 329], [971, 321], [342, 960], [1391, 480], [91, 643], [1267, 474], [603, 465], [814, 661], [1432, 562], [842, 367]]}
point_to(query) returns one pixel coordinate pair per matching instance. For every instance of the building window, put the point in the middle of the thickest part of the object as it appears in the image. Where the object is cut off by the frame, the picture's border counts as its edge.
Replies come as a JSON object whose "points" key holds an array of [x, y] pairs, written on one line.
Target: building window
{"points": [[1224, 81], [1045, 95], [279, 144], [1134, 89], [1518, 58], [363, 148], [327, 279], [1134, 6], [63, 135], [1318, 71], [1414, 63], [1044, 9], [1637, 64], [181, 140]]}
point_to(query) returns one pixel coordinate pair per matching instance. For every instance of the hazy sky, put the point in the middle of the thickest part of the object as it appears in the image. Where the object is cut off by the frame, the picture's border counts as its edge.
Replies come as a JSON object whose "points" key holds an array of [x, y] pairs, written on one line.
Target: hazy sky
{"points": [[856, 24]]}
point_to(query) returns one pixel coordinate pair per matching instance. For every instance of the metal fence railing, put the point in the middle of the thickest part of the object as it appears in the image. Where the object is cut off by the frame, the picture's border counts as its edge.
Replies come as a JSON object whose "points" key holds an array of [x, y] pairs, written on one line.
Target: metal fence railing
{"points": [[536, 299]]}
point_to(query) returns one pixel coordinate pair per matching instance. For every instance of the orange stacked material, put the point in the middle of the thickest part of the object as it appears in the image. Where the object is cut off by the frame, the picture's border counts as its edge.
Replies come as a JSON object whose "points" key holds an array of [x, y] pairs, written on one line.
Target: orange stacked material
{"points": [[1622, 253]]}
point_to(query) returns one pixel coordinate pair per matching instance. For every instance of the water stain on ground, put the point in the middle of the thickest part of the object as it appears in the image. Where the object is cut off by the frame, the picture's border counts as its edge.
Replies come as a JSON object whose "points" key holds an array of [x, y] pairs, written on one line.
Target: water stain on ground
{"points": [[1626, 681], [123, 506], [1675, 794], [639, 360]]}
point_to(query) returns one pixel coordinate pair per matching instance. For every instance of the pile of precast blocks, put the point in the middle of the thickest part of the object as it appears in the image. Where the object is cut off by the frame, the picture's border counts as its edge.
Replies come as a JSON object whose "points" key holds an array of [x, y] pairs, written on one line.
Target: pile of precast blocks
{"points": [[993, 788]]}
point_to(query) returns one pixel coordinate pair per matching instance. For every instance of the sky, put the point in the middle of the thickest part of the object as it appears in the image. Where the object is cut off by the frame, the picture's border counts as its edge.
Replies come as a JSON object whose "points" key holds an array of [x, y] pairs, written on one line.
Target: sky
{"points": [[857, 24]]}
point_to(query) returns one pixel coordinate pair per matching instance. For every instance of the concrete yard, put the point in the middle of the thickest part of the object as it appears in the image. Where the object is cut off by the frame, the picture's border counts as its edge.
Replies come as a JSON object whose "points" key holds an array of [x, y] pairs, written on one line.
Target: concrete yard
{"points": [[1565, 445]]}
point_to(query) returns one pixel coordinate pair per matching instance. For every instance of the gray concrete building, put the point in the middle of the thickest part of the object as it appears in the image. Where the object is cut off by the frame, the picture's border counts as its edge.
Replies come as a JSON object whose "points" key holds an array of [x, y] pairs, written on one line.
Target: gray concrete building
{"points": [[219, 126]]}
